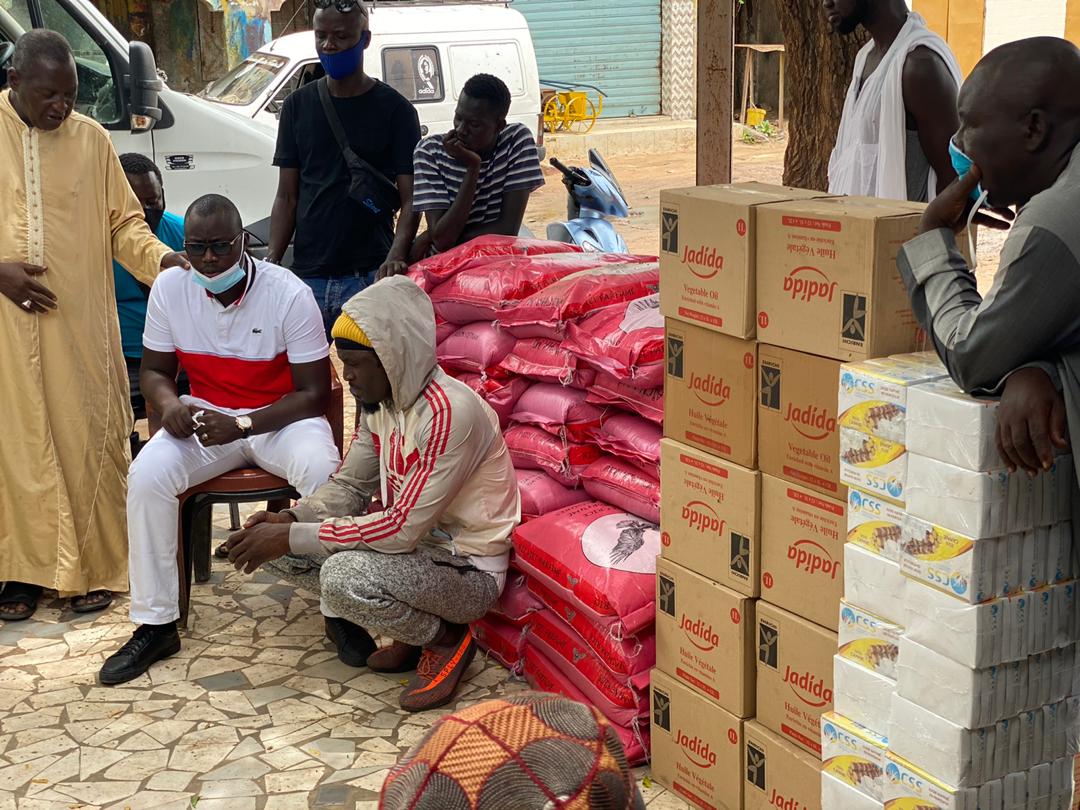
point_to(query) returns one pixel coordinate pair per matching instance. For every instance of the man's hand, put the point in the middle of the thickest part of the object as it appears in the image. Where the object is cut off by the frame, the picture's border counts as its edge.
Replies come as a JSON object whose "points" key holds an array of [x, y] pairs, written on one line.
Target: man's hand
{"points": [[392, 267], [950, 209], [175, 260], [17, 283], [268, 517], [459, 152], [250, 548], [216, 428], [177, 421], [1031, 421]]}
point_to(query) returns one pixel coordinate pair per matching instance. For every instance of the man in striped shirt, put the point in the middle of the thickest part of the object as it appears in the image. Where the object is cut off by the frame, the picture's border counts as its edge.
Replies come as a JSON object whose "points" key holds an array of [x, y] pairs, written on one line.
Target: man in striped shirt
{"points": [[477, 178]]}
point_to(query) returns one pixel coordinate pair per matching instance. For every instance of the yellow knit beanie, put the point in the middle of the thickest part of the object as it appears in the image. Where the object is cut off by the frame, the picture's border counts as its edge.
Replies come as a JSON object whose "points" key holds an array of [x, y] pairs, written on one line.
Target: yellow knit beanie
{"points": [[348, 329]]}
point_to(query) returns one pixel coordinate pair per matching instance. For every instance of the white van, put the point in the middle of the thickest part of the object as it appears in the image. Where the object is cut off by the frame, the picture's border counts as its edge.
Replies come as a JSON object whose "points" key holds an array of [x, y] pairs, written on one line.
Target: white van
{"points": [[205, 146], [424, 51]]}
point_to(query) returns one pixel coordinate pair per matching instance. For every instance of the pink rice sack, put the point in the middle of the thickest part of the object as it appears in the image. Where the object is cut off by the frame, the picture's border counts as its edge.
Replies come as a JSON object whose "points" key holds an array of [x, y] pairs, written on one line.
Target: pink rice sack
{"points": [[484, 292], [500, 639], [607, 390], [625, 340], [546, 313], [477, 348], [532, 448], [623, 655], [596, 557], [443, 329], [517, 602], [560, 411], [482, 249], [623, 485], [631, 438], [540, 494], [543, 676], [547, 361], [418, 278], [502, 395], [561, 645]]}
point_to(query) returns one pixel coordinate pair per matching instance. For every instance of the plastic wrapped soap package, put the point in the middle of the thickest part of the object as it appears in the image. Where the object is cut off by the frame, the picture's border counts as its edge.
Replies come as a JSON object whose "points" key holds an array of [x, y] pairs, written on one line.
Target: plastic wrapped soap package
{"points": [[946, 424], [837, 794], [949, 561], [874, 394], [862, 695], [874, 523], [975, 504], [873, 464], [868, 640], [875, 584], [853, 754]]}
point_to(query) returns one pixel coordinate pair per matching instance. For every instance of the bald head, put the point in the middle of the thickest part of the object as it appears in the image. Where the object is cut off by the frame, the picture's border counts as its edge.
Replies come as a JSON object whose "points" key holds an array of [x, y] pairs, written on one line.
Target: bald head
{"points": [[1020, 116]]}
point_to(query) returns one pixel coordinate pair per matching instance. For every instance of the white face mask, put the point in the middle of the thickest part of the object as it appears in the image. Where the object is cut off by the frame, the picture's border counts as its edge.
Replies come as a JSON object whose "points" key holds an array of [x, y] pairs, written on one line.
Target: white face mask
{"points": [[970, 230]]}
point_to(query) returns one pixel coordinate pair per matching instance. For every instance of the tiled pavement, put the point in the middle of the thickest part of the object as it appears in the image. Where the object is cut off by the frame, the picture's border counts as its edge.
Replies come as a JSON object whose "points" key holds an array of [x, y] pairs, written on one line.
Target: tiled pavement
{"points": [[254, 712]]}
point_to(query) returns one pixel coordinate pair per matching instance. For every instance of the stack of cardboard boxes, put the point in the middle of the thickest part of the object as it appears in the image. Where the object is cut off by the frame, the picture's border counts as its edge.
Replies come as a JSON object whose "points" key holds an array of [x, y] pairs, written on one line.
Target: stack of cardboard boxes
{"points": [[753, 514]]}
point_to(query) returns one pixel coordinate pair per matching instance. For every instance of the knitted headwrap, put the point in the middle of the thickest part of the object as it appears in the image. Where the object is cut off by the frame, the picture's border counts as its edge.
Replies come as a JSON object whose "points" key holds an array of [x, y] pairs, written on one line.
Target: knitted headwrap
{"points": [[348, 335], [526, 751]]}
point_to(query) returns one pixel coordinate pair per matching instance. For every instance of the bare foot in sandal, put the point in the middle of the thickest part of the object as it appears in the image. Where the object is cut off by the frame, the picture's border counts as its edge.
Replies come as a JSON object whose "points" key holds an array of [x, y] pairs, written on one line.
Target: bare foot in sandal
{"points": [[18, 601], [92, 602]]}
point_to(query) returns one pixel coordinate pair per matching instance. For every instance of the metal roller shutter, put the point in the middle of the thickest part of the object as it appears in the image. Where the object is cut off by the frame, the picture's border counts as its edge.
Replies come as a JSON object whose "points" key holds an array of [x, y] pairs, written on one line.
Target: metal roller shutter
{"points": [[613, 44]]}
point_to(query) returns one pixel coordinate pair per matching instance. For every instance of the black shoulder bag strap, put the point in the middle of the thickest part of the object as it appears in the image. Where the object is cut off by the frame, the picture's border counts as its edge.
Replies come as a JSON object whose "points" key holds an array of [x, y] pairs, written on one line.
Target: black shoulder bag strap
{"points": [[382, 192]]}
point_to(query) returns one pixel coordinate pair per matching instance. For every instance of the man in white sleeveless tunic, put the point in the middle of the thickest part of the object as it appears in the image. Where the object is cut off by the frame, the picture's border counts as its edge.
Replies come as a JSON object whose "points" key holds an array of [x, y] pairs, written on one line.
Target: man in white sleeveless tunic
{"points": [[900, 110]]}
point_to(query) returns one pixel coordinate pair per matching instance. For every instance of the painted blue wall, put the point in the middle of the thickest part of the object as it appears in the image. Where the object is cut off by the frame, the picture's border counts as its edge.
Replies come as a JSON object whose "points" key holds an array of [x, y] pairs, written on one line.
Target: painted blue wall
{"points": [[613, 44]]}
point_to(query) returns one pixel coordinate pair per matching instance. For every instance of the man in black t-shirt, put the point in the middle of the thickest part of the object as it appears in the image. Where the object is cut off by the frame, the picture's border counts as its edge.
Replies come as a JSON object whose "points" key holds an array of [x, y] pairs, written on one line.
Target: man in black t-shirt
{"points": [[339, 245]]}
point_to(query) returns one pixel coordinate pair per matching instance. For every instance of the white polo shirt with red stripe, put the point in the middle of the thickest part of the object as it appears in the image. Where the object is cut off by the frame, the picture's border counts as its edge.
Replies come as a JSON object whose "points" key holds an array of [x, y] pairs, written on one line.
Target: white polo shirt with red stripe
{"points": [[238, 357]]}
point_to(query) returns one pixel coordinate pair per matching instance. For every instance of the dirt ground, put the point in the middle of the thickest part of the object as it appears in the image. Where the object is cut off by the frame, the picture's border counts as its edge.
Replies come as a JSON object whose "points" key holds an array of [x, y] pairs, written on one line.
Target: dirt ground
{"points": [[643, 176]]}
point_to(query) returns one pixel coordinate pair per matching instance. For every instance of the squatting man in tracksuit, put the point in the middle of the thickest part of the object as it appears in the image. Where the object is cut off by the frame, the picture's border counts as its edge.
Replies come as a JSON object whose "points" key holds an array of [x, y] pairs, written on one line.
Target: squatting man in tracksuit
{"points": [[436, 558]]}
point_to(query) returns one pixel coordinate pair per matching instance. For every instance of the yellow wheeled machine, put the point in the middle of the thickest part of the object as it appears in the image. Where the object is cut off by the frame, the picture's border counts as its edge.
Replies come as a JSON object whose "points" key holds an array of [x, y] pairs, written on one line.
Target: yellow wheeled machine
{"points": [[569, 107]]}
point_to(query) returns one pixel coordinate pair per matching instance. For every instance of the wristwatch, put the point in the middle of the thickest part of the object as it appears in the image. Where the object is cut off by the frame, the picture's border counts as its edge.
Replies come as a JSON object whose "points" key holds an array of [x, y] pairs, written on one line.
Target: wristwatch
{"points": [[243, 424]]}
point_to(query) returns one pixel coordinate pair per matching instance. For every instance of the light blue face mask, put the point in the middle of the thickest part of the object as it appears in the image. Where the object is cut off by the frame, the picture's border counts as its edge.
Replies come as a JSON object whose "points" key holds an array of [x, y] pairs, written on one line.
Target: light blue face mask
{"points": [[962, 165], [222, 281]]}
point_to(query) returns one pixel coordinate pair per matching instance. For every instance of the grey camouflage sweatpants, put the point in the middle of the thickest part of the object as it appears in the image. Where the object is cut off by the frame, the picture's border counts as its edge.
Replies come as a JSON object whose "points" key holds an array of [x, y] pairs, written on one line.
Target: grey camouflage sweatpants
{"points": [[403, 596]]}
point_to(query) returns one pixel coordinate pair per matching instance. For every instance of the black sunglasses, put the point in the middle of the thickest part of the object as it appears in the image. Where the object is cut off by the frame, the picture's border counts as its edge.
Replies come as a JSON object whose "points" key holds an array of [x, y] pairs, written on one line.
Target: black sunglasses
{"points": [[219, 248], [344, 6]]}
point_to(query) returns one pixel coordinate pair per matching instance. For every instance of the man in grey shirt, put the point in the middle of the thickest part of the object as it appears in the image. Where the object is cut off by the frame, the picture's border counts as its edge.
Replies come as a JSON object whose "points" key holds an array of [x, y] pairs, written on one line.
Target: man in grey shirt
{"points": [[1020, 125]]}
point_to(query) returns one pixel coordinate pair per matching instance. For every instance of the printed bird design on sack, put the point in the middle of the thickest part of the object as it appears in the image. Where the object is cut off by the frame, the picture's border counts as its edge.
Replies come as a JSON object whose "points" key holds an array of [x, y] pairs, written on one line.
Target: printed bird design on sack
{"points": [[631, 539]]}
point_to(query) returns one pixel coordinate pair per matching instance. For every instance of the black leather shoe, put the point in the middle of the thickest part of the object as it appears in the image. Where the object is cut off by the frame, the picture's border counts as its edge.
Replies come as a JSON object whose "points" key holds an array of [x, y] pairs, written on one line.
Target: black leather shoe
{"points": [[354, 643], [149, 645]]}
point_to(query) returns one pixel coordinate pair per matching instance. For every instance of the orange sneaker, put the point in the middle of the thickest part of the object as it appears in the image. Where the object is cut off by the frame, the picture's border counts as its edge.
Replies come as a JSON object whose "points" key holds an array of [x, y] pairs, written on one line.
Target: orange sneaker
{"points": [[442, 665]]}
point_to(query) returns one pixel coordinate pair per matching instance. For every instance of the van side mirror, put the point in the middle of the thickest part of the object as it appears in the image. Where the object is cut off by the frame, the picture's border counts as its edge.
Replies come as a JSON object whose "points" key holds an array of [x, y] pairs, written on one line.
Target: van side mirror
{"points": [[144, 88]]}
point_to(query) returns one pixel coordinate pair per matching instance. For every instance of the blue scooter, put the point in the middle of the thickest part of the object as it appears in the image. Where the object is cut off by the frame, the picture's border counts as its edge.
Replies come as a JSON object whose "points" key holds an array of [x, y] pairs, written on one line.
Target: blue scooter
{"points": [[594, 195]]}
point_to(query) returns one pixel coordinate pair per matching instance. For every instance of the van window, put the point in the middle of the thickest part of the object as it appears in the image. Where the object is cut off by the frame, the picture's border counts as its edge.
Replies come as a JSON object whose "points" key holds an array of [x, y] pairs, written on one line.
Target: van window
{"points": [[303, 74], [247, 81], [502, 59], [98, 96], [416, 73]]}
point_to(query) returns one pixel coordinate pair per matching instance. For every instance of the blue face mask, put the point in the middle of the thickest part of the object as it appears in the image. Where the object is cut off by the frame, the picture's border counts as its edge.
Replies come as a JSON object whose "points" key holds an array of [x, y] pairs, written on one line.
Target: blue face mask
{"points": [[221, 282], [343, 64], [962, 164]]}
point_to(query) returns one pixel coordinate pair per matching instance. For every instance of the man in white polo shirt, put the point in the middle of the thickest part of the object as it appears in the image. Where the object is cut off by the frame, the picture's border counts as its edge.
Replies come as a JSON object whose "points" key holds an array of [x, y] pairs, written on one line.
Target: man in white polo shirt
{"points": [[250, 337]]}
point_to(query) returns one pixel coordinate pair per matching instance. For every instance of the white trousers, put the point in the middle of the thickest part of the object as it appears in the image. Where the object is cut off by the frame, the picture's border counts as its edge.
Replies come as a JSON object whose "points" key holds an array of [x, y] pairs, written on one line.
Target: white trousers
{"points": [[303, 453]]}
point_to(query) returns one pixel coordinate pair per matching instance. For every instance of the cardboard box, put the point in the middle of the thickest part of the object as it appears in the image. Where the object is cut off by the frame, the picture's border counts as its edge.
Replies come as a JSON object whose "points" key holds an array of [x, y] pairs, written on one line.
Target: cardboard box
{"points": [[707, 253], [696, 746], [798, 436], [710, 394], [794, 676], [828, 282], [705, 636], [709, 516], [802, 551], [777, 774]]}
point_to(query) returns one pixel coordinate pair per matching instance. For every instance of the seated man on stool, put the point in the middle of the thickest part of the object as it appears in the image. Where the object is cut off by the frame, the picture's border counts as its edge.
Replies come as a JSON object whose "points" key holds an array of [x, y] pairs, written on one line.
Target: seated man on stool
{"points": [[250, 336], [436, 558]]}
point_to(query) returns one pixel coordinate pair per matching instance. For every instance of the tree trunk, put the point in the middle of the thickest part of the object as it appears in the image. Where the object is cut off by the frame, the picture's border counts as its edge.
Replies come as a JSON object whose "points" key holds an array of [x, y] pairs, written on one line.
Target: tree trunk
{"points": [[819, 69]]}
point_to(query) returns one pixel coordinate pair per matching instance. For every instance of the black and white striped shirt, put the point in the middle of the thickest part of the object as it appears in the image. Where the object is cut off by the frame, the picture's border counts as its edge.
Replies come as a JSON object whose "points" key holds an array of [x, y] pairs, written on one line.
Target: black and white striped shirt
{"points": [[514, 165]]}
